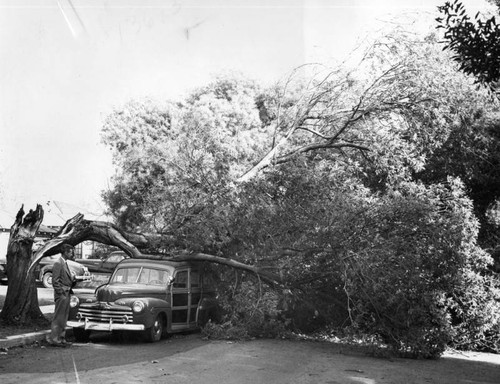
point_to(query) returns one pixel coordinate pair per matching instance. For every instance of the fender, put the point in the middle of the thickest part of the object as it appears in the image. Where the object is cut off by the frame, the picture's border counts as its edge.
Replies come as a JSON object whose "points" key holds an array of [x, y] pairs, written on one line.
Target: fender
{"points": [[46, 268], [156, 306]]}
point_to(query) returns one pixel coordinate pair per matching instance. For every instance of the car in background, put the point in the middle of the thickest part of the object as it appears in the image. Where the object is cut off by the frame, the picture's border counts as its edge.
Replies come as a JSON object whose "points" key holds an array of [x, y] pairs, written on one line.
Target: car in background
{"points": [[154, 297], [105, 265], [43, 271], [3, 271], [94, 266]]}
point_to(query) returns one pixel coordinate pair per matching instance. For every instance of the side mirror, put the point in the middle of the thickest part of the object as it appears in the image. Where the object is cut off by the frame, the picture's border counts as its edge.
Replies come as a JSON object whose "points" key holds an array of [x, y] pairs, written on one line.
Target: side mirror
{"points": [[170, 280]]}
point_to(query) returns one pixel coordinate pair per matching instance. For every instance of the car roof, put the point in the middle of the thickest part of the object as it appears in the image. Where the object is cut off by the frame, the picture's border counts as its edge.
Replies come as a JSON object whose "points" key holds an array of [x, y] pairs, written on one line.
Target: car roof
{"points": [[122, 253], [145, 261]]}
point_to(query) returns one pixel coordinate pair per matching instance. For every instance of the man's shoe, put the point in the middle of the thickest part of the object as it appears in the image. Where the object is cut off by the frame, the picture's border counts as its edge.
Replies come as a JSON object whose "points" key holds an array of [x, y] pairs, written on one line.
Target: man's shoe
{"points": [[53, 343], [66, 343]]}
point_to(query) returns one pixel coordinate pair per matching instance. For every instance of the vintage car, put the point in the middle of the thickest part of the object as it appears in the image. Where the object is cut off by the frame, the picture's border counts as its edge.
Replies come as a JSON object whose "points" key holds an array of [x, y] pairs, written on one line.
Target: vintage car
{"points": [[43, 271], [3, 271], [154, 297], [105, 265]]}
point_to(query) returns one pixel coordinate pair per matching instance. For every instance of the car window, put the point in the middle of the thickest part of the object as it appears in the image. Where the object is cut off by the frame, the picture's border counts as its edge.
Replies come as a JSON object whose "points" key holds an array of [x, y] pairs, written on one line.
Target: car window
{"points": [[141, 275], [181, 279], [126, 275], [195, 279], [153, 276]]}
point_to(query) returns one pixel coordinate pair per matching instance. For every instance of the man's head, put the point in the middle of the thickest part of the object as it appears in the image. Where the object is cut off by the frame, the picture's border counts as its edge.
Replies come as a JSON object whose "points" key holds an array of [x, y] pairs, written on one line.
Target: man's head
{"points": [[68, 252]]}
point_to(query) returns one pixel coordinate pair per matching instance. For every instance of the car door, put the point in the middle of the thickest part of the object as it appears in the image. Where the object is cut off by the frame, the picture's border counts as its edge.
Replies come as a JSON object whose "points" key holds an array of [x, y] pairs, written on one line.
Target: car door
{"points": [[186, 294], [180, 300], [194, 296]]}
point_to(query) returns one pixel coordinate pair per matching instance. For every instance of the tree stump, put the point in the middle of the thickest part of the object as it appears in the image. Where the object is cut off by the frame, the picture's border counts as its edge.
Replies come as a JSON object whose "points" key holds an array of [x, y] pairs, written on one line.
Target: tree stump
{"points": [[21, 302]]}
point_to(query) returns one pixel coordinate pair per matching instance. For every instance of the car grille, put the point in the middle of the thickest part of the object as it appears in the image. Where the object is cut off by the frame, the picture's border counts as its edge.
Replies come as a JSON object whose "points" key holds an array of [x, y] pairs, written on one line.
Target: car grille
{"points": [[105, 313]]}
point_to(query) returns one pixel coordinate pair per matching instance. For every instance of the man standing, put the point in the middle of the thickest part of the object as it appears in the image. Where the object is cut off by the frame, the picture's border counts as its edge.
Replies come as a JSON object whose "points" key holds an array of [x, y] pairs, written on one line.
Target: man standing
{"points": [[62, 282]]}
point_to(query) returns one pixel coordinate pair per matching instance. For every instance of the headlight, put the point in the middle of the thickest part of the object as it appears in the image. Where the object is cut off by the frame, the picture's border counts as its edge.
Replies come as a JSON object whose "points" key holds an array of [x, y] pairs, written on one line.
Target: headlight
{"points": [[138, 306], [74, 301]]}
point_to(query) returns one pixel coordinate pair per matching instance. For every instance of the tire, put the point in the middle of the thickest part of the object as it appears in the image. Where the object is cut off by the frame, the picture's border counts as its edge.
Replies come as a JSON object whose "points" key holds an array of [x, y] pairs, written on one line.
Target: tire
{"points": [[81, 335], [154, 333], [47, 280], [208, 315]]}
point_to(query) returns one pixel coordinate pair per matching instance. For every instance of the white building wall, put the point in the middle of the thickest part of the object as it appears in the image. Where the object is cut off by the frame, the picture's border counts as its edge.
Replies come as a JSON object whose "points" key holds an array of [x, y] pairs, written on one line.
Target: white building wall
{"points": [[4, 241]]}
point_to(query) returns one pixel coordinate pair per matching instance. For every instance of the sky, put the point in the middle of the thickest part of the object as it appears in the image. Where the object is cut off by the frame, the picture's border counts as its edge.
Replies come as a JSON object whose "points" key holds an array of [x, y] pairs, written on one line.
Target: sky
{"points": [[66, 64]]}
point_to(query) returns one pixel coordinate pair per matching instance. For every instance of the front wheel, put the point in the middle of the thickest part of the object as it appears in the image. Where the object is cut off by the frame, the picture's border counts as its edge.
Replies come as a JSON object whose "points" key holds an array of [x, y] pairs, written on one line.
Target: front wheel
{"points": [[154, 333], [81, 335], [47, 280]]}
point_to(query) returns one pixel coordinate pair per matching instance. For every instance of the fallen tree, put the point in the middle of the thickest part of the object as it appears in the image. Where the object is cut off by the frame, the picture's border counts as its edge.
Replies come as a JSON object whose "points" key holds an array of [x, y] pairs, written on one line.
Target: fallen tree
{"points": [[21, 302], [77, 230]]}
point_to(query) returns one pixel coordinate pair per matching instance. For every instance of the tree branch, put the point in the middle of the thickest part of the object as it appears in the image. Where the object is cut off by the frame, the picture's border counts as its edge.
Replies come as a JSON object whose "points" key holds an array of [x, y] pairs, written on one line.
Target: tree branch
{"points": [[77, 230], [317, 146]]}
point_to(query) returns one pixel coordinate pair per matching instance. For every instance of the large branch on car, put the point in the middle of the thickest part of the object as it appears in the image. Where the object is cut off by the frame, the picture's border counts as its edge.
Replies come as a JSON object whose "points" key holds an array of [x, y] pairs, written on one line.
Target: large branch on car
{"points": [[77, 230], [270, 278]]}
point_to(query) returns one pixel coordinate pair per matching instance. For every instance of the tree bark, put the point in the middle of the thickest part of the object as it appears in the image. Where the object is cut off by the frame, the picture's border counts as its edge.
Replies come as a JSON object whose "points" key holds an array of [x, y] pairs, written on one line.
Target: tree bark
{"points": [[76, 230], [21, 301]]}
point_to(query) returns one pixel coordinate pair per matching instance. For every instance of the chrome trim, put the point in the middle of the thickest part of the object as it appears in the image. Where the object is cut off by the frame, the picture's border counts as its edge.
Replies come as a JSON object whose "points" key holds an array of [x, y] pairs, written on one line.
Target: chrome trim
{"points": [[95, 326], [105, 313]]}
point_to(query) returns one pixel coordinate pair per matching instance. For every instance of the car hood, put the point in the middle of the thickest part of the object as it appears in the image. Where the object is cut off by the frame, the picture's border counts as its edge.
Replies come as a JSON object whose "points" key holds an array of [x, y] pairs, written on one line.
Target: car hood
{"points": [[76, 267], [113, 292]]}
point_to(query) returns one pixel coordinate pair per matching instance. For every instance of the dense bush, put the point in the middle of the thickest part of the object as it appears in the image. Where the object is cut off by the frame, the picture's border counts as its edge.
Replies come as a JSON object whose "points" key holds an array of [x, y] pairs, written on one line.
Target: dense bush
{"points": [[475, 313], [402, 266], [248, 310], [408, 259]]}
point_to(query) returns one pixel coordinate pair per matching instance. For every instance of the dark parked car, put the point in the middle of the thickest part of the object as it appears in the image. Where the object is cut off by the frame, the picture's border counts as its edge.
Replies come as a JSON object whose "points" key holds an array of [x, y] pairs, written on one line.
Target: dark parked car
{"points": [[154, 297], [106, 265], [3, 271], [43, 270]]}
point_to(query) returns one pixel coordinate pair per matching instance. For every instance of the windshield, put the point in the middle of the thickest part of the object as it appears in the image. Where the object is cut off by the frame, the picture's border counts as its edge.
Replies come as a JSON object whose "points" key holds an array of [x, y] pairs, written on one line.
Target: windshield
{"points": [[141, 275]]}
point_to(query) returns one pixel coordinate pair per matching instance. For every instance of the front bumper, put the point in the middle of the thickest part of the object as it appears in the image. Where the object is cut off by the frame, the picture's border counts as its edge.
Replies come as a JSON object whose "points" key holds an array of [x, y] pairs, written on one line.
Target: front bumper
{"points": [[108, 326]]}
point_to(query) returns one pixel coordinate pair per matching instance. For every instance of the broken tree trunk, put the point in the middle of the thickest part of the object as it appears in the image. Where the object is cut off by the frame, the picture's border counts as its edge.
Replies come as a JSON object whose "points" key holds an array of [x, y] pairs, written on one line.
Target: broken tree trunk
{"points": [[76, 230], [21, 301]]}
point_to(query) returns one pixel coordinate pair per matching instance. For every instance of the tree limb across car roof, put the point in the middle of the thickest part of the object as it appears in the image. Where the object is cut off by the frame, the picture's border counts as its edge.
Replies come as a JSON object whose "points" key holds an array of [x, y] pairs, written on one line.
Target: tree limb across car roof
{"points": [[77, 229]]}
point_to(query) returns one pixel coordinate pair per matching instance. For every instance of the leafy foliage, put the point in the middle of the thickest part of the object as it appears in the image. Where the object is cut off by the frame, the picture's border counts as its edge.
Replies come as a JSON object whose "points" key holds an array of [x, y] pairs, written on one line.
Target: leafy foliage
{"points": [[339, 184], [472, 153], [424, 236], [476, 45], [249, 311]]}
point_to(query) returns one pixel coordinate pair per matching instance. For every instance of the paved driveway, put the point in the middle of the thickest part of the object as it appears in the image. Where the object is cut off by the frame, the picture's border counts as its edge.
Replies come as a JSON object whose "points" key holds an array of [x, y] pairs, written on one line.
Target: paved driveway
{"points": [[189, 359]]}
